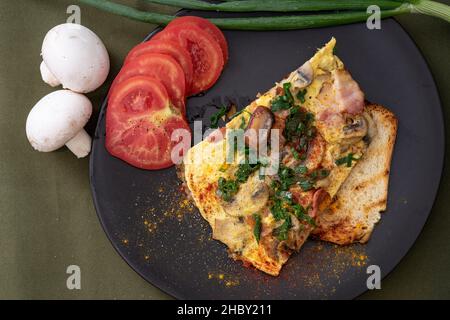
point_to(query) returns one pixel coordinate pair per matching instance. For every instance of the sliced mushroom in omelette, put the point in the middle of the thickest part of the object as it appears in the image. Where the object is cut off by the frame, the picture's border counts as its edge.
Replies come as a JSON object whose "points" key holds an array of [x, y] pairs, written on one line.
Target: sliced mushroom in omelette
{"points": [[318, 111]]}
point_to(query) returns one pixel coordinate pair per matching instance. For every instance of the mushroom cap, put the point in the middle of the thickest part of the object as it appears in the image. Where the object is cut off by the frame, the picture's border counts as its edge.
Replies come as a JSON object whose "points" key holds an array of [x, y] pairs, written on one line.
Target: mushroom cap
{"points": [[56, 119], [76, 57], [47, 76]]}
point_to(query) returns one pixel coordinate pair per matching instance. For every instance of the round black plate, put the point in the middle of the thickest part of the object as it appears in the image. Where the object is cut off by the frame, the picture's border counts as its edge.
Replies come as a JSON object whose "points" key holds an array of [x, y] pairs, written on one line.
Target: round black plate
{"points": [[166, 241]]}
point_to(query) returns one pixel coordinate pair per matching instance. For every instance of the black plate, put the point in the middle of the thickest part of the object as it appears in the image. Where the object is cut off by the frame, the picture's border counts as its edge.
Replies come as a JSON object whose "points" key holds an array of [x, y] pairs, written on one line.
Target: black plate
{"points": [[168, 243]]}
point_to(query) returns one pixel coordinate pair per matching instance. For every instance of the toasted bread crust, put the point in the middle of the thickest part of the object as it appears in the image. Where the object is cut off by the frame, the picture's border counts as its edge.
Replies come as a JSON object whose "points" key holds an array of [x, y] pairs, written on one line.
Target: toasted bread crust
{"points": [[356, 208]]}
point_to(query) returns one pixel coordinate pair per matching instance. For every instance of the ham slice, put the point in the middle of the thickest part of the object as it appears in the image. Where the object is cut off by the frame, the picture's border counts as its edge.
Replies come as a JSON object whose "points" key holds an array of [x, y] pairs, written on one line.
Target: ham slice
{"points": [[348, 95], [343, 96]]}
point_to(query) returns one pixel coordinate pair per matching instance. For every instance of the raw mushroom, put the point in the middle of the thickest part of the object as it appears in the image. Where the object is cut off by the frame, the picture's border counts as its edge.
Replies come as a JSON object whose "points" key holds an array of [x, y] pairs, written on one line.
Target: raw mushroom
{"points": [[75, 57], [57, 120], [47, 76]]}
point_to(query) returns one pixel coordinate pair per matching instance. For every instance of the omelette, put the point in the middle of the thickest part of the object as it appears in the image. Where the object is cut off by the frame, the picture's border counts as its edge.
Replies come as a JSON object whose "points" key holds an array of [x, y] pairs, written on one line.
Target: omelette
{"points": [[263, 194]]}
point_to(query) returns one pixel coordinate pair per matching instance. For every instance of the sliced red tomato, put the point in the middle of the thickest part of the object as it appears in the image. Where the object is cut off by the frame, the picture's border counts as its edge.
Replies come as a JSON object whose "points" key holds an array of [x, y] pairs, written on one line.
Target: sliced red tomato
{"points": [[159, 66], [206, 25], [170, 48], [205, 53], [139, 95], [140, 122]]}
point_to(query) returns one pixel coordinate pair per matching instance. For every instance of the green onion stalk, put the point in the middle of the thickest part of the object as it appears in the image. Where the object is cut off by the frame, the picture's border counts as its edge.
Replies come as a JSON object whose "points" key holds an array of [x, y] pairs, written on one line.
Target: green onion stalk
{"points": [[285, 22], [278, 5]]}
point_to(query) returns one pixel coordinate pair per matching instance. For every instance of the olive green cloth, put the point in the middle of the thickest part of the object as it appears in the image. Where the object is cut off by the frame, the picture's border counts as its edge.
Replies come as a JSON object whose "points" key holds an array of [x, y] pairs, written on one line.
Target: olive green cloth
{"points": [[47, 218]]}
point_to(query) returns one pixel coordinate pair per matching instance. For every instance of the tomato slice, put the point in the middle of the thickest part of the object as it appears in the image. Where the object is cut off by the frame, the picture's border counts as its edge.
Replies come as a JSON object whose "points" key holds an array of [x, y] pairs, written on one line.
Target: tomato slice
{"points": [[159, 66], [140, 122], [170, 48], [205, 53], [206, 25], [139, 95]]}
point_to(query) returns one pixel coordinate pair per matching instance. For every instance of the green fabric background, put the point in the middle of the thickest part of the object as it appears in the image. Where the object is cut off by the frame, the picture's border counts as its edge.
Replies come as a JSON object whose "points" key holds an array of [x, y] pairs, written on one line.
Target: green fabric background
{"points": [[47, 218]]}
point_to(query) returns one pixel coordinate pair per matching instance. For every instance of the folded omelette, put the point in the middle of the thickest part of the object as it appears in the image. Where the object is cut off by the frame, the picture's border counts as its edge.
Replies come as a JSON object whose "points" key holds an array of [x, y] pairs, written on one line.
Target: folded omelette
{"points": [[313, 127]]}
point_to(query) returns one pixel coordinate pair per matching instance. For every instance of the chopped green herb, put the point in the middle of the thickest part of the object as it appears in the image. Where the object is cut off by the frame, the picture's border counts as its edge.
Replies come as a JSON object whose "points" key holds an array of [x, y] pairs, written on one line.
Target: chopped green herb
{"points": [[245, 170], [278, 210], [243, 124], [282, 231], [238, 113], [347, 160], [287, 177], [286, 195], [301, 170], [275, 185], [301, 95], [301, 214], [217, 116], [280, 103], [287, 91], [257, 227], [284, 101], [298, 125], [295, 154], [298, 210], [323, 173], [309, 117], [301, 127], [311, 132], [306, 184], [227, 188]]}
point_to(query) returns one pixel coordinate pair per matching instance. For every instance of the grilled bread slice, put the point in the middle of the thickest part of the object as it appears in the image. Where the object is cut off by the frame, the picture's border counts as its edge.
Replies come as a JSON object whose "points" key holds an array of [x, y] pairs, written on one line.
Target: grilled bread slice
{"points": [[356, 207]]}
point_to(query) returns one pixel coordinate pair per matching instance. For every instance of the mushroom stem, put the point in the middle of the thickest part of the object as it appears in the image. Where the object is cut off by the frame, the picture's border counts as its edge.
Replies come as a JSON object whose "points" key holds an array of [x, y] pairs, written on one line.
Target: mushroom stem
{"points": [[80, 144]]}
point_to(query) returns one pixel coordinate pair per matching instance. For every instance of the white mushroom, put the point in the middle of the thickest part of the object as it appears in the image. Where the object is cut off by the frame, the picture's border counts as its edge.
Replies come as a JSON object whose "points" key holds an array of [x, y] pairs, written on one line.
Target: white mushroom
{"points": [[47, 76], [57, 120], [304, 75], [75, 57]]}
